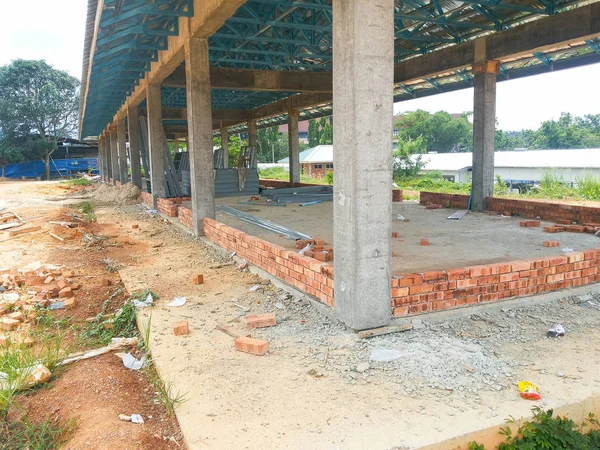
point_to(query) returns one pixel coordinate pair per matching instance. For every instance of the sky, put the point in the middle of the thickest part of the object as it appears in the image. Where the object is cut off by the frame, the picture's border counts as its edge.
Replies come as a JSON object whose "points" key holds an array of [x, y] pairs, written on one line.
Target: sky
{"points": [[54, 31]]}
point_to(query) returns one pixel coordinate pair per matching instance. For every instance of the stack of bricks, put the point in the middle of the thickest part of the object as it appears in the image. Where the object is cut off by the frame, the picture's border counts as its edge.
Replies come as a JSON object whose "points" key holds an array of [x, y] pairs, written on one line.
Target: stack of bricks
{"points": [[397, 195], [185, 217], [558, 212], [588, 227], [147, 198], [443, 289], [304, 273]]}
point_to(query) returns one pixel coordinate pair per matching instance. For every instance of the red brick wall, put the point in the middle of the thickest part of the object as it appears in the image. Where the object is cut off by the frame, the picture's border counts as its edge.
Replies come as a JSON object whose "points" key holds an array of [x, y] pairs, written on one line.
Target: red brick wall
{"points": [[524, 208], [443, 289], [304, 273], [147, 198], [397, 195], [185, 217], [169, 206]]}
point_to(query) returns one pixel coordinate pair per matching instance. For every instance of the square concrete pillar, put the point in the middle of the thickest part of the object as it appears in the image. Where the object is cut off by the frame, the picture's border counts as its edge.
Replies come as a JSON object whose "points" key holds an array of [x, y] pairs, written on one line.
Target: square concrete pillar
{"points": [[363, 76], [156, 143], [101, 157], [135, 144], [293, 146], [225, 146], [114, 156], [200, 139], [107, 157], [484, 132], [122, 149]]}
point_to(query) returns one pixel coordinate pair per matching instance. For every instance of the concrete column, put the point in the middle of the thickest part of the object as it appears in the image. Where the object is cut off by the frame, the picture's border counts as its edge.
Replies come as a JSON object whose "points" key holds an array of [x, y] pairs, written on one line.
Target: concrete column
{"points": [[107, 157], [200, 140], [155, 143], [363, 76], [484, 132], [252, 133], [293, 146], [225, 146], [101, 157], [122, 148], [114, 155], [135, 144]]}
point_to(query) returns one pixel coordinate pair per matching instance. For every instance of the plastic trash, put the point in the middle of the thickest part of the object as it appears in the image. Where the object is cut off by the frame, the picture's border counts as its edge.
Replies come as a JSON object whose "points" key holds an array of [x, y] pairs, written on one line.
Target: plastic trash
{"points": [[136, 418], [57, 305], [152, 212], [11, 297], [567, 250], [255, 288], [385, 355], [131, 362], [529, 391], [145, 303], [305, 249], [556, 330], [178, 301]]}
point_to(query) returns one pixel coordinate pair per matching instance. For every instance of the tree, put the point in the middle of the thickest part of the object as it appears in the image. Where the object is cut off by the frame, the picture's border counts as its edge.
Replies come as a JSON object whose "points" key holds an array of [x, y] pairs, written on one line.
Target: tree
{"points": [[320, 132], [38, 105], [404, 163], [272, 145]]}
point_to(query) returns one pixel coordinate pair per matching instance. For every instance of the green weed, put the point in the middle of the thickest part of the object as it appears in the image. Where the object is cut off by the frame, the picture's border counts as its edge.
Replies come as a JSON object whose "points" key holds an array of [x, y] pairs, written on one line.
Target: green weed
{"points": [[89, 209], [588, 187], [45, 435], [77, 182]]}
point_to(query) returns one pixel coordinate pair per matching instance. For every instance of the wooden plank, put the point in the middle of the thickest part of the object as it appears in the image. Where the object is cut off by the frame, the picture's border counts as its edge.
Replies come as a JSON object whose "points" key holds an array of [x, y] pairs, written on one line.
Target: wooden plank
{"points": [[6, 226], [231, 332], [384, 330], [23, 231]]}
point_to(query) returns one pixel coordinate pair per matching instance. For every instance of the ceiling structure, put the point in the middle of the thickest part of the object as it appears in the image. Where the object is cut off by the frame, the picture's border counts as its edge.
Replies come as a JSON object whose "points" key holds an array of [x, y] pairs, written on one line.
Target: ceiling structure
{"points": [[124, 37]]}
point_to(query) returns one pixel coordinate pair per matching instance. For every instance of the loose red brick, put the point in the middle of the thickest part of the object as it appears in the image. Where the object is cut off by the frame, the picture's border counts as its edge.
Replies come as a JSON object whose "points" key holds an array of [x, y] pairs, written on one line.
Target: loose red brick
{"points": [[554, 229], [425, 242], [198, 279], [253, 346], [260, 321], [17, 315], [105, 282], [70, 302], [62, 284], [8, 324], [564, 222], [135, 227], [551, 244], [181, 328], [395, 234], [49, 279], [65, 292]]}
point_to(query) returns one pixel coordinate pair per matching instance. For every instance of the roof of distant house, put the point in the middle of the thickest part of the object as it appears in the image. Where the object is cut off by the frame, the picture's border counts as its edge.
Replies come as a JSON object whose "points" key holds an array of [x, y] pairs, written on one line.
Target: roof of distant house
{"points": [[588, 158], [318, 154]]}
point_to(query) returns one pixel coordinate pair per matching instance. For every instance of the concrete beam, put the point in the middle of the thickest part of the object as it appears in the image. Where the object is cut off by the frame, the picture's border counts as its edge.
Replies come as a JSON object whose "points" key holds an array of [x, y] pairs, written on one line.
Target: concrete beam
{"points": [[156, 144], [135, 145], [362, 136], [536, 36], [122, 149], [259, 80], [200, 133]]}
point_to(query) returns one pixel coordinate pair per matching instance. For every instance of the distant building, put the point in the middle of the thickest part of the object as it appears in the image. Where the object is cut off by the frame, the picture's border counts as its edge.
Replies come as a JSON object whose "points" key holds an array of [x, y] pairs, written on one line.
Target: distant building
{"points": [[316, 161], [519, 167], [302, 130]]}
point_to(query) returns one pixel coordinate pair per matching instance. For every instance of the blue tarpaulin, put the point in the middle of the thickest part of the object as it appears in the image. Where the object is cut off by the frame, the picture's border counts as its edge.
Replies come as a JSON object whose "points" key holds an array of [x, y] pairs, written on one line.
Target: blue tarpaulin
{"points": [[58, 167]]}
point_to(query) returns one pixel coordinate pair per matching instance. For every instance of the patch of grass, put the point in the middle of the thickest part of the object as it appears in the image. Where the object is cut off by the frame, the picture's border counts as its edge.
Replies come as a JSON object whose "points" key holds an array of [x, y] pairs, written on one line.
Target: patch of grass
{"points": [[123, 324], [111, 265], [588, 187], [433, 182], [547, 431], [89, 209], [45, 435], [77, 182], [17, 363]]}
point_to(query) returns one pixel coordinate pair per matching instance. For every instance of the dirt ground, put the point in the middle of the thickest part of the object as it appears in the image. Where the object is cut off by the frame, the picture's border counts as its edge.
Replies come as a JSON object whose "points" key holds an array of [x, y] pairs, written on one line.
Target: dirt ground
{"points": [[319, 386], [92, 392], [475, 239]]}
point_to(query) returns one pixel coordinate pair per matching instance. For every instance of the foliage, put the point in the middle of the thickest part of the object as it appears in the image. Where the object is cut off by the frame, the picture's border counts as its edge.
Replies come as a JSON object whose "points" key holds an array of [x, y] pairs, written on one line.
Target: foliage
{"points": [[271, 145], [38, 105], [433, 182], [320, 131], [329, 177], [24, 434], [551, 185], [548, 432], [234, 148], [279, 173], [441, 132], [77, 182], [88, 208], [404, 165], [500, 187]]}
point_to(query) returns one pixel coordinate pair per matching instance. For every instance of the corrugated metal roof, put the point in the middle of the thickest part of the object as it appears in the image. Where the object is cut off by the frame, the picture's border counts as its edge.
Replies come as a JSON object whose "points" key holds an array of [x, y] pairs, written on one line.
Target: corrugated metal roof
{"points": [[546, 159], [318, 154]]}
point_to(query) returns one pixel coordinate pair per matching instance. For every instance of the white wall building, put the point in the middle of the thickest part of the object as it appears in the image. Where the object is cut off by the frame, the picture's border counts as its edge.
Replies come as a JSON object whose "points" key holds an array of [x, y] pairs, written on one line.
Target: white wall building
{"points": [[520, 166]]}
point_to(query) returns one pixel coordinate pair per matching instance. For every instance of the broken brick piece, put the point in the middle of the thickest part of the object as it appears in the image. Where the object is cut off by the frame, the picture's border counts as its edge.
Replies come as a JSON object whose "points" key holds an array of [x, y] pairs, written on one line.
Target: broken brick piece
{"points": [[181, 328], [68, 273], [8, 324], [250, 345], [65, 292], [105, 282], [62, 284], [17, 315], [34, 280], [27, 342], [530, 223], [198, 279], [49, 279], [70, 303], [135, 227], [260, 321], [395, 234], [425, 242], [551, 244]]}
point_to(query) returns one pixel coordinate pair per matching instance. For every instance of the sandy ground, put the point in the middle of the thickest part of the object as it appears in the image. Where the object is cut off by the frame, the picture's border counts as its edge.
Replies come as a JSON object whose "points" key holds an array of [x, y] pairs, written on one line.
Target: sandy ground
{"points": [[475, 239], [318, 387]]}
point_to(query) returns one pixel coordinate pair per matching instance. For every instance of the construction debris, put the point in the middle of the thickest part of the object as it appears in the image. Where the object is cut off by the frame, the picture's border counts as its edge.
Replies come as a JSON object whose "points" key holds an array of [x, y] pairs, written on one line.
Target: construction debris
{"points": [[263, 223], [23, 231], [384, 330]]}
